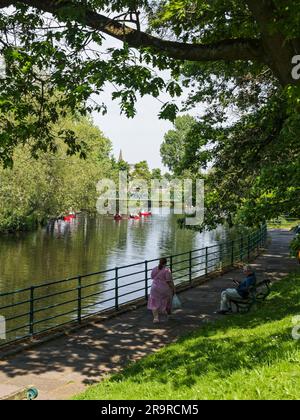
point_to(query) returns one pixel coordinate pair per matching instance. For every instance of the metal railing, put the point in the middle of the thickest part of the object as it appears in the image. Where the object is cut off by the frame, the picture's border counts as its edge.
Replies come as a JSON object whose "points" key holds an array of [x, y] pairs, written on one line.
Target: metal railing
{"points": [[40, 308]]}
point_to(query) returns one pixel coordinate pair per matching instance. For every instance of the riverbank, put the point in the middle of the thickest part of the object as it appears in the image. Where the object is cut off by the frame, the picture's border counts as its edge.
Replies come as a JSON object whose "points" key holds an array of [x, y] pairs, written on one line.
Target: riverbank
{"points": [[65, 366]]}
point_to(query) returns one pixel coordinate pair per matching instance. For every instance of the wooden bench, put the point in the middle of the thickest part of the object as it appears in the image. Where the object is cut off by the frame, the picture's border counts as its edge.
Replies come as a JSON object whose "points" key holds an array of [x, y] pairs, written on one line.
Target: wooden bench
{"points": [[257, 294]]}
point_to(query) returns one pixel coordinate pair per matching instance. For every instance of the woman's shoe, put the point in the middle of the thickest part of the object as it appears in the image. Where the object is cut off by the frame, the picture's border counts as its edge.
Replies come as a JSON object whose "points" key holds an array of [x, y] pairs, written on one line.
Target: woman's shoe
{"points": [[155, 321]]}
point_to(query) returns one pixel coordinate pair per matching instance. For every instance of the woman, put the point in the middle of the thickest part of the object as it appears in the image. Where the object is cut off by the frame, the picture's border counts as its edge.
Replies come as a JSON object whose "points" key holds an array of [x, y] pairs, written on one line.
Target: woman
{"points": [[162, 290]]}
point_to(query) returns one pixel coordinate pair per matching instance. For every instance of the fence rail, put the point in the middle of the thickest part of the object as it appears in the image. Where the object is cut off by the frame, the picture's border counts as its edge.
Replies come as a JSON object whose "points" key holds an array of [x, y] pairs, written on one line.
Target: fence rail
{"points": [[39, 308]]}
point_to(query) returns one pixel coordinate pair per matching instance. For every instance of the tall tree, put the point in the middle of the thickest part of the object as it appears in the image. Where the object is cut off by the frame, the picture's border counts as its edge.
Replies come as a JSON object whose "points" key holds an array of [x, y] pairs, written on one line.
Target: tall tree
{"points": [[173, 147], [56, 45], [141, 171], [35, 190], [253, 165]]}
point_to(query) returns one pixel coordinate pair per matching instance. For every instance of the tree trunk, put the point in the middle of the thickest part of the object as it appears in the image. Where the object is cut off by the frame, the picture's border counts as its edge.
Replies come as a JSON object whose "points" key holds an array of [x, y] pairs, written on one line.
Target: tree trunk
{"points": [[277, 50]]}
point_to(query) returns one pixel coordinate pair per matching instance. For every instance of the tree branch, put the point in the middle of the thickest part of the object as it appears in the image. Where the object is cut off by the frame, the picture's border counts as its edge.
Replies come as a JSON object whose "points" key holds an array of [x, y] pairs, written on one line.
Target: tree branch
{"points": [[228, 50], [278, 51]]}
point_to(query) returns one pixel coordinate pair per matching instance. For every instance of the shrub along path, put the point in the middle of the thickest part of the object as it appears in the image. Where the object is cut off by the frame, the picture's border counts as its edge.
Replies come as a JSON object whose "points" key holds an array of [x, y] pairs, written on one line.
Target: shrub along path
{"points": [[64, 366]]}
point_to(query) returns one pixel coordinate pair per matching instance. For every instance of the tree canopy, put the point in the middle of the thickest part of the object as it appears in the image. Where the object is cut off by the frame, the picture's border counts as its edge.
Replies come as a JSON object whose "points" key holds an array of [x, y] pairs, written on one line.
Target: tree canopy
{"points": [[35, 190], [240, 58], [252, 166], [57, 55]]}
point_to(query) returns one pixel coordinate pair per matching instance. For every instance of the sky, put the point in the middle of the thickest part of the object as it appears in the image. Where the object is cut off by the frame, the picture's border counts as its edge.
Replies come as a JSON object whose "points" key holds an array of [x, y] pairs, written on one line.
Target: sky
{"points": [[140, 137]]}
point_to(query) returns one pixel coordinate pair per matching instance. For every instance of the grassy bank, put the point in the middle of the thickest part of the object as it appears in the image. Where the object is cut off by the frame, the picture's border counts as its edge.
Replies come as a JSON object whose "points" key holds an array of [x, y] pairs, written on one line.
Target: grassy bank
{"points": [[283, 223], [251, 356]]}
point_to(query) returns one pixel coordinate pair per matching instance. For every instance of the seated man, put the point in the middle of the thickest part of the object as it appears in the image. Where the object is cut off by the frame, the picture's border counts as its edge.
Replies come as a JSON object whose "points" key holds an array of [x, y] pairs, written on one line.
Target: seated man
{"points": [[239, 293]]}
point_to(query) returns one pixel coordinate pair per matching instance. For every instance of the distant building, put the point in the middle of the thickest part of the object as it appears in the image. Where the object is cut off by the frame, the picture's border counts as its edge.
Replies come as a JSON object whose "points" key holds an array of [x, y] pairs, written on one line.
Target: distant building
{"points": [[121, 156]]}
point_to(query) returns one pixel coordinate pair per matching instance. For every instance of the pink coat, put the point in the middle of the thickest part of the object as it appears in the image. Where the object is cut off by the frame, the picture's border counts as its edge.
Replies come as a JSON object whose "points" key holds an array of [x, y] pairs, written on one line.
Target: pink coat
{"points": [[161, 292]]}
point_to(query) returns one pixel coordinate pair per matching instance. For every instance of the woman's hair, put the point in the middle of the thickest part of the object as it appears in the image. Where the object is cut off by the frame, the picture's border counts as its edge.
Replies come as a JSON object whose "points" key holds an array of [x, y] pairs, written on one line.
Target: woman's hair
{"points": [[162, 263]]}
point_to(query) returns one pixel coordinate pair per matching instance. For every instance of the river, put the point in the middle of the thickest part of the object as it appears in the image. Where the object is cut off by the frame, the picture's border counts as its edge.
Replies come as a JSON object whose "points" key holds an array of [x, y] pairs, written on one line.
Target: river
{"points": [[91, 243], [84, 245]]}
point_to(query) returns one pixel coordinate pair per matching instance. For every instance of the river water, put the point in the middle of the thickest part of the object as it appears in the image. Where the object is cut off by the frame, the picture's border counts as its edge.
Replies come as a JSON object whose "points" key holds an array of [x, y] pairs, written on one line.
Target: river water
{"points": [[84, 245], [91, 243]]}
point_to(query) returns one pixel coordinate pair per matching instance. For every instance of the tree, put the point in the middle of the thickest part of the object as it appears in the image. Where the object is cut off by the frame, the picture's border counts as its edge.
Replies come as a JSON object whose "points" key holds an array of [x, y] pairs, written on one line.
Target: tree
{"points": [[54, 45], [173, 147], [156, 174], [35, 190], [270, 34], [123, 166], [141, 171], [254, 165]]}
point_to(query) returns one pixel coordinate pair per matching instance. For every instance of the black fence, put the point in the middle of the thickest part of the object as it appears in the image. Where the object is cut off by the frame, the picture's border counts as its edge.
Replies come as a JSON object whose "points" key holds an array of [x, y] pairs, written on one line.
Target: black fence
{"points": [[37, 309]]}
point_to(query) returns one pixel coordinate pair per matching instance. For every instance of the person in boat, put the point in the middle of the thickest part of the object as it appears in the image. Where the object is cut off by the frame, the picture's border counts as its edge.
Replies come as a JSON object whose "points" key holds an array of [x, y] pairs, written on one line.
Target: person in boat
{"points": [[239, 293], [133, 215], [162, 290]]}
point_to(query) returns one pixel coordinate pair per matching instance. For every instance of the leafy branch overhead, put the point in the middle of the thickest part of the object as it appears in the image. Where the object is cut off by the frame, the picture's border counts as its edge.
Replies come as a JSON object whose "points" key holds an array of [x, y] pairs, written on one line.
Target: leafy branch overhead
{"points": [[59, 53], [236, 57]]}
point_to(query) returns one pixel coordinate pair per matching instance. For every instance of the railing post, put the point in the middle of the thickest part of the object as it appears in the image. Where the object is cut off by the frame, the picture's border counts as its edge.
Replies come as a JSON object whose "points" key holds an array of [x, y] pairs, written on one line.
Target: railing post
{"points": [[190, 266], [171, 263], [146, 280], [117, 289], [232, 252], [262, 235], [265, 233], [79, 297], [242, 249], [206, 261], [31, 313]]}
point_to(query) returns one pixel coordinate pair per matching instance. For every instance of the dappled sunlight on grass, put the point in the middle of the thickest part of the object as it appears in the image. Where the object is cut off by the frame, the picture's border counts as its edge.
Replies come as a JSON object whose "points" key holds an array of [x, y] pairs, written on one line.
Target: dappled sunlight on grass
{"points": [[241, 356]]}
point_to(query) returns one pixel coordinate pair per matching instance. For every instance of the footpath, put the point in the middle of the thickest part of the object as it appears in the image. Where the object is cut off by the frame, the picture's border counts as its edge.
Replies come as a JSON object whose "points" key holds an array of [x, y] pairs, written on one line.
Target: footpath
{"points": [[64, 366]]}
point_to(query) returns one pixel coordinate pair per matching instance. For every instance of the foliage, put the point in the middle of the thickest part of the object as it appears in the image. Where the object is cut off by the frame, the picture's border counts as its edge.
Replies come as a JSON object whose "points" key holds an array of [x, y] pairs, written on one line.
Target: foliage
{"points": [[295, 246], [225, 51], [235, 57], [141, 171], [283, 223], [254, 164], [249, 356], [156, 174], [173, 147], [35, 190]]}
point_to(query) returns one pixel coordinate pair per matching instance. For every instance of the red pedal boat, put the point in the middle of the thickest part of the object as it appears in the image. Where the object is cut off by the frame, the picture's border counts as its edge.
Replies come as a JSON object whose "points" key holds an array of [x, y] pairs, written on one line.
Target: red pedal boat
{"points": [[134, 217], [145, 213], [69, 217]]}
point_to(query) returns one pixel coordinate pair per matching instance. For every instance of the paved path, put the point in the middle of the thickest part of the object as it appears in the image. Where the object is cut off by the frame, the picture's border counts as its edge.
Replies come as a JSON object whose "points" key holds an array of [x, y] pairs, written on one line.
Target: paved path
{"points": [[64, 366]]}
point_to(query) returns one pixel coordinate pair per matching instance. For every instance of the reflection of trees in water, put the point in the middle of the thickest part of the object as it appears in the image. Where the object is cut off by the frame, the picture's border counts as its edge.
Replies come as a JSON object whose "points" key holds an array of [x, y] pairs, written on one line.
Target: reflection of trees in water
{"points": [[28, 259], [87, 244], [56, 252]]}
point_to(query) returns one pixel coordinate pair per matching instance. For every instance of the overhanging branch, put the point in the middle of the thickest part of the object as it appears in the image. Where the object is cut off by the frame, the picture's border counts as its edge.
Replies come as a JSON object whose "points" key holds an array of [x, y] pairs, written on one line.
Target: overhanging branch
{"points": [[228, 50]]}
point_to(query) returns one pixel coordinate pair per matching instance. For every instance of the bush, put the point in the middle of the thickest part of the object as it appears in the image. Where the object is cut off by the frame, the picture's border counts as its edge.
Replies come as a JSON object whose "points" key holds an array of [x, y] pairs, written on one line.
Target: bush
{"points": [[295, 246]]}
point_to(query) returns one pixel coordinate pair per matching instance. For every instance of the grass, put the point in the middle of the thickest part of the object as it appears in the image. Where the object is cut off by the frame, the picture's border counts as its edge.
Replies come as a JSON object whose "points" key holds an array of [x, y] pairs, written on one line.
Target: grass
{"points": [[250, 356]]}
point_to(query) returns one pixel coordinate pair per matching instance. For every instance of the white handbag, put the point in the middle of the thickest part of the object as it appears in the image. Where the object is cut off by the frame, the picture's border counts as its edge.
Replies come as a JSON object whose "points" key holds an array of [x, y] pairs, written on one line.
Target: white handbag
{"points": [[176, 303]]}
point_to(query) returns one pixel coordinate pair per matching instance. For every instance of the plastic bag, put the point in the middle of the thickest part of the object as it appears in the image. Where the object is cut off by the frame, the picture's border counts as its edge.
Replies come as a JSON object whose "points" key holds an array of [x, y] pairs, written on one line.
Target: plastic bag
{"points": [[176, 303]]}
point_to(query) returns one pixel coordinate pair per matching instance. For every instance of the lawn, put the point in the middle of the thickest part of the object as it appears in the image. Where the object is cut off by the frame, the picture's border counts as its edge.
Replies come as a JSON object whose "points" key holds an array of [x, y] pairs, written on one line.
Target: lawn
{"points": [[250, 356]]}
